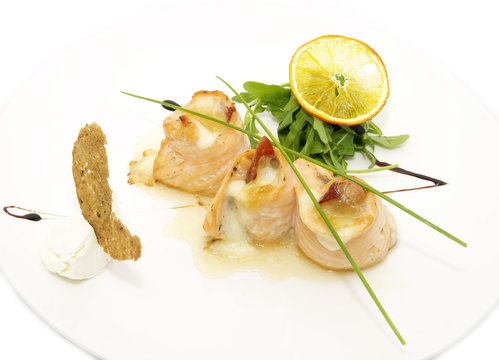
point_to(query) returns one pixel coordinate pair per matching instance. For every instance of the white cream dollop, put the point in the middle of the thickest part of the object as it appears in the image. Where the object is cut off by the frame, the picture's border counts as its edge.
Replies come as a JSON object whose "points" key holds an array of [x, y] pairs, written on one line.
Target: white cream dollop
{"points": [[72, 250]]}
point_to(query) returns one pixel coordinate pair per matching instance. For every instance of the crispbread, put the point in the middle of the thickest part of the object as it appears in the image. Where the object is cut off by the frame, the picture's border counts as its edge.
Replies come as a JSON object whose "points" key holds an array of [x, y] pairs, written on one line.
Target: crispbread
{"points": [[90, 174]]}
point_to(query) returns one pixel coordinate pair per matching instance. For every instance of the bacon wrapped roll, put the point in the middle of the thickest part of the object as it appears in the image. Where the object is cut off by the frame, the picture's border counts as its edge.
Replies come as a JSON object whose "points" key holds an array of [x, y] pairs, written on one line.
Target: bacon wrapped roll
{"points": [[196, 153], [361, 219], [256, 200]]}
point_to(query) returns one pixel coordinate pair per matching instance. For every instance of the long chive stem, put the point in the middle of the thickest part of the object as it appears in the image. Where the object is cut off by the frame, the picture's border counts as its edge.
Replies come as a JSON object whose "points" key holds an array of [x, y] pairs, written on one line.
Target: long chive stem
{"points": [[258, 137], [365, 171], [335, 170], [323, 215], [388, 199], [195, 113]]}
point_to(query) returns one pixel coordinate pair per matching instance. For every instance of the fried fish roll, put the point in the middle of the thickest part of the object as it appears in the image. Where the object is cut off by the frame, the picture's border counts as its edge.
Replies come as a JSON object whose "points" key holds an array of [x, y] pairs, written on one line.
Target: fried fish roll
{"points": [[256, 201], [362, 221], [196, 153]]}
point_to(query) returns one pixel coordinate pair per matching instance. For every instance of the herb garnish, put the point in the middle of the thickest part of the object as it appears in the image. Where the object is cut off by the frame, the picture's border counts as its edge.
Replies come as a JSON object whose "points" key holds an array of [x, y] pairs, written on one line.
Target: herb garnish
{"points": [[336, 166], [337, 171], [310, 136]]}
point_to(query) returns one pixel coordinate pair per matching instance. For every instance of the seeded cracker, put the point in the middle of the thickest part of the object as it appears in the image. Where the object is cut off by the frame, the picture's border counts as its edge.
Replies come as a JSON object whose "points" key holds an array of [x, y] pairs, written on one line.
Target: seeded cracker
{"points": [[90, 173]]}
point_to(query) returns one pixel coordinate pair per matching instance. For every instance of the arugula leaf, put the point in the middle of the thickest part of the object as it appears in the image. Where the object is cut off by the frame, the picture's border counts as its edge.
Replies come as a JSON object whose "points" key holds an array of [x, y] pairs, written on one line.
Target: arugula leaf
{"points": [[389, 142], [292, 104], [271, 94], [373, 128], [317, 146], [297, 129], [370, 156], [344, 143], [246, 96], [285, 118], [306, 149], [321, 131]]}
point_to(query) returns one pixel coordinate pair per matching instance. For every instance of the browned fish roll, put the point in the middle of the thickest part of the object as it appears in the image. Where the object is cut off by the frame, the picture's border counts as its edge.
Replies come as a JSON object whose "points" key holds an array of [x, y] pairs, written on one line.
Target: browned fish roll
{"points": [[197, 153], [361, 219], [256, 200]]}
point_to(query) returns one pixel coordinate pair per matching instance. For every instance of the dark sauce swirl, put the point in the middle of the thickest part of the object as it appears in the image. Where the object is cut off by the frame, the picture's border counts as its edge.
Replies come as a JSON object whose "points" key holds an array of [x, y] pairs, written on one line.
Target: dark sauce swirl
{"points": [[436, 182], [31, 216]]}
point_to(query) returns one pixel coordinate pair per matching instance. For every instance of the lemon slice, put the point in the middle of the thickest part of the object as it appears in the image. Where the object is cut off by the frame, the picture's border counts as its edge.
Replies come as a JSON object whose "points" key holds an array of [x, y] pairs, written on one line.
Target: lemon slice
{"points": [[339, 80]]}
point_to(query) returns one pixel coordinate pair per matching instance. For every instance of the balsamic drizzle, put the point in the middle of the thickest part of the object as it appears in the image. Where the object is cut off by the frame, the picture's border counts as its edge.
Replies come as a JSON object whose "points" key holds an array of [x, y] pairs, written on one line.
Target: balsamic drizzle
{"points": [[359, 129], [169, 102], [436, 182], [32, 215]]}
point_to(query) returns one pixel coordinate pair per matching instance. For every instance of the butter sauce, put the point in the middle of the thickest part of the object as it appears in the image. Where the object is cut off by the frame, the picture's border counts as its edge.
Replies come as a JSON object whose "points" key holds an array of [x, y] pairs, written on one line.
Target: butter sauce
{"points": [[276, 262], [219, 258]]}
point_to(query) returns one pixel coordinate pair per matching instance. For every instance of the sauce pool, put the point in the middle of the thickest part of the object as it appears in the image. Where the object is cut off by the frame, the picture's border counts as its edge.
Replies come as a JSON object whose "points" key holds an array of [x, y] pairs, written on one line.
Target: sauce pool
{"points": [[275, 262]]}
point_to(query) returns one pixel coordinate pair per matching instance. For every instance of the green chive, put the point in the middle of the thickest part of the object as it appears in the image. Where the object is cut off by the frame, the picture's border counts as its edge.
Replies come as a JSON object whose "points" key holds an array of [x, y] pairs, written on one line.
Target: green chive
{"points": [[337, 170], [306, 187], [324, 217]]}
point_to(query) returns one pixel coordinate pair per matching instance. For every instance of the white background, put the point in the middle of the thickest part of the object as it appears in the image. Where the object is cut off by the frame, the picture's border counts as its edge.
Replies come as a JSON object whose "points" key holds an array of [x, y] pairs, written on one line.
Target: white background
{"points": [[460, 36]]}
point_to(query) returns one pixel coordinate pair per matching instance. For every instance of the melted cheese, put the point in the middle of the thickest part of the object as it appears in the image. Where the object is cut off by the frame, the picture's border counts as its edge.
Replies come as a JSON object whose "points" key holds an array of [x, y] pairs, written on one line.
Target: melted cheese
{"points": [[211, 106], [346, 226], [206, 138], [141, 171], [266, 175], [239, 207]]}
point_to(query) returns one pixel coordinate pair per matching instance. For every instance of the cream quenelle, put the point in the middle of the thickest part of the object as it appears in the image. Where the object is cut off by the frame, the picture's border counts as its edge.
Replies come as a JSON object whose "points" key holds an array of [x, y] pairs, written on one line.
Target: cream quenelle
{"points": [[72, 250]]}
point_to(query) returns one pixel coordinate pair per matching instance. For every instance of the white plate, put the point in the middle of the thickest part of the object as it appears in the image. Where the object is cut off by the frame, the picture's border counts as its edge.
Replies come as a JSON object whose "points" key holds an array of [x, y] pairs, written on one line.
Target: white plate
{"points": [[162, 306]]}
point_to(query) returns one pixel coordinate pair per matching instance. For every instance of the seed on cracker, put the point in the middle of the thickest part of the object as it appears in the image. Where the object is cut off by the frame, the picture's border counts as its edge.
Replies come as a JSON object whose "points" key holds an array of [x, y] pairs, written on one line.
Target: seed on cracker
{"points": [[90, 174]]}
